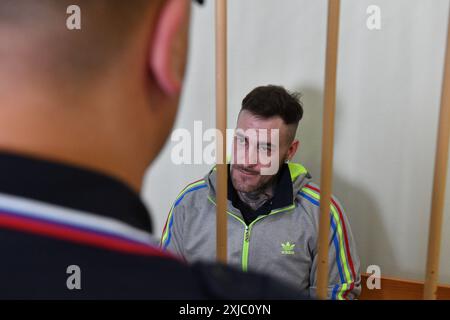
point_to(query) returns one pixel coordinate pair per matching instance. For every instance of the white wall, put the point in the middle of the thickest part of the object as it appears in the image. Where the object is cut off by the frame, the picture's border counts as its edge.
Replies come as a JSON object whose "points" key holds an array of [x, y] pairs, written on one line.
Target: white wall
{"points": [[389, 85]]}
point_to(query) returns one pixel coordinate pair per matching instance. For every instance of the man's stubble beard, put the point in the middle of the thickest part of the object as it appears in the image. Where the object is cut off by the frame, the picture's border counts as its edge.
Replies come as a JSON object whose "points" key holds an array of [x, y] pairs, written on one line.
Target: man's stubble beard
{"points": [[257, 197]]}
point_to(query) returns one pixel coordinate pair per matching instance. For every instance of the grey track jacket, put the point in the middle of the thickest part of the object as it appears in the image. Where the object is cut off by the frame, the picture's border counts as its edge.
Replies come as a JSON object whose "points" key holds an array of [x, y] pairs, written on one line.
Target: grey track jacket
{"points": [[282, 243]]}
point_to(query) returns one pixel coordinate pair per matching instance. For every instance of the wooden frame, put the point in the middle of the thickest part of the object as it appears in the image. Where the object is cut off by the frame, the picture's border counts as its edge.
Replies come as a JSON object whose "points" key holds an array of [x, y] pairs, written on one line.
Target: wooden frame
{"points": [[399, 289]]}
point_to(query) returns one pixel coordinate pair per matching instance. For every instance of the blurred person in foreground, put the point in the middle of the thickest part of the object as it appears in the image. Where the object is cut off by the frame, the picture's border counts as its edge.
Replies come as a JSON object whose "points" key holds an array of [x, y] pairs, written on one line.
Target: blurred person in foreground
{"points": [[83, 113]]}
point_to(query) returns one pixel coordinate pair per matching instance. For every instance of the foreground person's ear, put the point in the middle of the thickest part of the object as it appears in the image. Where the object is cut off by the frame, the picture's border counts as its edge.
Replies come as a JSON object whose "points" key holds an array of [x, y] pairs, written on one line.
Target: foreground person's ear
{"points": [[168, 49]]}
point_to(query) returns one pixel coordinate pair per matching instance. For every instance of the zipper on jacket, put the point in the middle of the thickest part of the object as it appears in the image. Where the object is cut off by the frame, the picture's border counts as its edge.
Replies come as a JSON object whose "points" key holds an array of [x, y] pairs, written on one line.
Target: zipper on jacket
{"points": [[248, 229], [245, 245]]}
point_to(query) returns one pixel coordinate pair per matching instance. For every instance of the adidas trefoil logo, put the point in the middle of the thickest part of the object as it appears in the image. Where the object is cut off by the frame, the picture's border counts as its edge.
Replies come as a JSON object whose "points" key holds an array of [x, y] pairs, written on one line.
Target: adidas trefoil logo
{"points": [[287, 248]]}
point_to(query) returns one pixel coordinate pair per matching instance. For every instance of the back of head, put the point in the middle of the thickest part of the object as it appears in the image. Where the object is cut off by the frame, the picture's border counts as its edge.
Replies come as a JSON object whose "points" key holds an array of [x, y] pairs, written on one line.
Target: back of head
{"points": [[39, 31]]}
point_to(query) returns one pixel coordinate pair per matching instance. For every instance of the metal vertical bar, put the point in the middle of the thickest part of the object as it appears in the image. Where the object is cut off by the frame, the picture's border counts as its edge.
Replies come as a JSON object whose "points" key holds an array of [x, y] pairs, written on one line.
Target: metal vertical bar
{"points": [[439, 184], [327, 145], [221, 125]]}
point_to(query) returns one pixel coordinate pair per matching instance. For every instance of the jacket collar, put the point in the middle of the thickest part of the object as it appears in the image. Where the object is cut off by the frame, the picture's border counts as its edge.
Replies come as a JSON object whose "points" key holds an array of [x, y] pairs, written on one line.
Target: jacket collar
{"points": [[73, 188], [299, 176]]}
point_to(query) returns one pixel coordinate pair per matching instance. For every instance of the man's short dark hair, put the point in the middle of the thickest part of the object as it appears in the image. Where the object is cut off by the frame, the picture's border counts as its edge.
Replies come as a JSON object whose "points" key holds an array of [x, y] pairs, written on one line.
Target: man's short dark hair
{"points": [[271, 101]]}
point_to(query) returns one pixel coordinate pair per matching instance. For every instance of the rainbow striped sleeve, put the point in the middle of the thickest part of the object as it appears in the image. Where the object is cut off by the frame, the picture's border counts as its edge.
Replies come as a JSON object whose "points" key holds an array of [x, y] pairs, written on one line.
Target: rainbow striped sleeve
{"points": [[340, 241]]}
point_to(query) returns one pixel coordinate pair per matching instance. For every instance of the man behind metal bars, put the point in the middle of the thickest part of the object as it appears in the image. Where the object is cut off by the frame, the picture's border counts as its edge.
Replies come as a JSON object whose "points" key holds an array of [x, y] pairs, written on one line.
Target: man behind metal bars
{"points": [[273, 218]]}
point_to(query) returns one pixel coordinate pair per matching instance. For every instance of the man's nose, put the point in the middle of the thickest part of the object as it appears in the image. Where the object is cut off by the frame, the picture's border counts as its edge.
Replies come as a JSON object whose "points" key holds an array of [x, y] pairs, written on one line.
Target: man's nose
{"points": [[251, 158]]}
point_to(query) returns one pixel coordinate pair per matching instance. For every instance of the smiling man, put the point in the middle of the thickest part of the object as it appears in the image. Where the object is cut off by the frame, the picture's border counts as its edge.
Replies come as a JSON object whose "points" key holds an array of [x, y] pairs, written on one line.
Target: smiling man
{"points": [[273, 207]]}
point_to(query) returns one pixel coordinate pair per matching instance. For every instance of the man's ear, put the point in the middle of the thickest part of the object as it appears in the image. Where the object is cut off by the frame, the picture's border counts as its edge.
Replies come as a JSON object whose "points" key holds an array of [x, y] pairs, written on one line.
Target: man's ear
{"points": [[293, 149], [167, 56]]}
